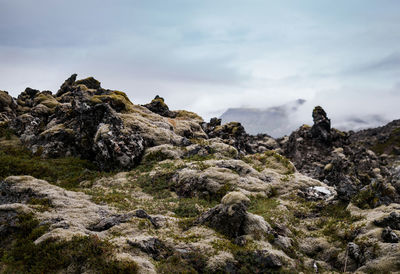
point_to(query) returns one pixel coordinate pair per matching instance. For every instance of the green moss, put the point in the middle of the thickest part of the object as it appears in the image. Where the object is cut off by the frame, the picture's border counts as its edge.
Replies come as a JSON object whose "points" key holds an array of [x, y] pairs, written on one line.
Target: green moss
{"points": [[5, 132], [89, 82], [155, 157], [184, 114], [186, 208], [44, 204], [66, 172], [337, 223], [117, 100], [369, 196], [270, 159], [158, 186], [19, 254], [265, 207]]}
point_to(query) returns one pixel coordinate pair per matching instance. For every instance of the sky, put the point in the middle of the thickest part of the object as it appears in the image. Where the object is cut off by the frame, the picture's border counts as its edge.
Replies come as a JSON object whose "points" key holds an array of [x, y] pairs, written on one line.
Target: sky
{"points": [[207, 56]]}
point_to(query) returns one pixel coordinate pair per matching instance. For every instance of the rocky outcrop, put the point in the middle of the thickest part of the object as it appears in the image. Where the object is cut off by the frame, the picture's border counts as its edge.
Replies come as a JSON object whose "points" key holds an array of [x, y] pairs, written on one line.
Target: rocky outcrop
{"points": [[338, 159]]}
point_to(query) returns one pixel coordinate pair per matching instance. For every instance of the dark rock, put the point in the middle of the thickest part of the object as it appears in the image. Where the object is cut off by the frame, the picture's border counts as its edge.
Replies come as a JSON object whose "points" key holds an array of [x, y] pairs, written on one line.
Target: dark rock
{"points": [[89, 82], [232, 133], [354, 252], [157, 105], [340, 159], [154, 247], [81, 128], [229, 220], [388, 236], [108, 222], [322, 125], [67, 85], [10, 195], [140, 213], [392, 221], [8, 222]]}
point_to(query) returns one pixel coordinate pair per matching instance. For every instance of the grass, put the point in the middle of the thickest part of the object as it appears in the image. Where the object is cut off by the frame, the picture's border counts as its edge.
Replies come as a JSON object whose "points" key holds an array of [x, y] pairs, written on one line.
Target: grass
{"points": [[337, 223], [21, 255], [265, 207]]}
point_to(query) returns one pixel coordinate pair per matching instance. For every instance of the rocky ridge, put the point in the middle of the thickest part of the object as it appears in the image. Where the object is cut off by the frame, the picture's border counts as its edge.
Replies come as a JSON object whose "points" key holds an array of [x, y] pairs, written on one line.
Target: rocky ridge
{"points": [[158, 191]]}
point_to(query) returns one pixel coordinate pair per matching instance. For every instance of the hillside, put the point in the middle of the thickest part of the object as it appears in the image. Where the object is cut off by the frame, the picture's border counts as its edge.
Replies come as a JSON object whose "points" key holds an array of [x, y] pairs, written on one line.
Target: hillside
{"points": [[91, 182]]}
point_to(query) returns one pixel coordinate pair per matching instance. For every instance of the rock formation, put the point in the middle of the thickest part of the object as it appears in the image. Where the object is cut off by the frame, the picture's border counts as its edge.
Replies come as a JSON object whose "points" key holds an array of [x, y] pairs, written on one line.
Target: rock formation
{"points": [[126, 188]]}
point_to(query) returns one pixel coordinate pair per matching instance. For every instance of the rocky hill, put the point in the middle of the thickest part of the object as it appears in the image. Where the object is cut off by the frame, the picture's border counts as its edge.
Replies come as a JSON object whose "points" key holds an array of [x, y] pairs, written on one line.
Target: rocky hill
{"points": [[91, 182]]}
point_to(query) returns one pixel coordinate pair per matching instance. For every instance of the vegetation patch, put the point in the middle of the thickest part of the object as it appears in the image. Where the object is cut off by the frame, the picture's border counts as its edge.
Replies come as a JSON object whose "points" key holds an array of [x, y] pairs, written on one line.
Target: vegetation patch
{"points": [[21, 255], [270, 159], [65, 172], [388, 145], [192, 262]]}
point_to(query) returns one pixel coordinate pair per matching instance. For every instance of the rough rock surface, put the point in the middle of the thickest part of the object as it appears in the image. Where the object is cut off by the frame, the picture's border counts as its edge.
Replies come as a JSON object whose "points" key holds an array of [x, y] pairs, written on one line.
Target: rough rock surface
{"points": [[194, 196], [344, 160]]}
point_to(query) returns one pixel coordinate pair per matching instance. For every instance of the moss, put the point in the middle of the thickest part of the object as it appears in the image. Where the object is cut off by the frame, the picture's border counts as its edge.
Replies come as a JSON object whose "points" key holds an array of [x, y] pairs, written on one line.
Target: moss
{"points": [[44, 204], [21, 255], [158, 186], [270, 159], [369, 197], [337, 223], [66, 172], [265, 207], [116, 99], [155, 157], [47, 100], [89, 82], [186, 208], [388, 145], [184, 114], [193, 262], [6, 132]]}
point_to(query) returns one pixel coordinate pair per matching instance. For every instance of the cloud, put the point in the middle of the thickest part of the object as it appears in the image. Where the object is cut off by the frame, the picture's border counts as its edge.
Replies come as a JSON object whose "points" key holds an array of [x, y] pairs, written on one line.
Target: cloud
{"points": [[388, 63], [206, 56]]}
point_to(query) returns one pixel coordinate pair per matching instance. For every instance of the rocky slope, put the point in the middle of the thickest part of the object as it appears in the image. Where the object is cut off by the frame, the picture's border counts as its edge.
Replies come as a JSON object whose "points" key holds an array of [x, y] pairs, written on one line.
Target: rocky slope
{"points": [[91, 182]]}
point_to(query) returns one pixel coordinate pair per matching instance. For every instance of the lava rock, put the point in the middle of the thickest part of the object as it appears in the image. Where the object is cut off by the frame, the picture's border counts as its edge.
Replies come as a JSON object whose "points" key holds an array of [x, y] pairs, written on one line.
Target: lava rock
{"points": [[157, 105], [229, 217], [388, 236], [392, 221], [152, 246]]}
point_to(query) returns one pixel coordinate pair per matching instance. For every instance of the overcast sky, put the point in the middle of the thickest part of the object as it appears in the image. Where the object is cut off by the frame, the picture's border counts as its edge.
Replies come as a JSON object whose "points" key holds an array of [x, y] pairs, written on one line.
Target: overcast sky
{"points": [[207, 56]]}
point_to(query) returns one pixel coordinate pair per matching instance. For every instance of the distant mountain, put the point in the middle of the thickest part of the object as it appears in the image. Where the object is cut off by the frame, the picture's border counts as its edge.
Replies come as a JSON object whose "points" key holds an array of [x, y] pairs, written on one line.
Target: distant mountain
{"points": [[274, 121], [281, 120]]}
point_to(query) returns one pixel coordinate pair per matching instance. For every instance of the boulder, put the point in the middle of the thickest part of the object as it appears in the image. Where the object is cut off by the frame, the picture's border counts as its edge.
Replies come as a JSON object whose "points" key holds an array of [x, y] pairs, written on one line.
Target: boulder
{"points": [[389, 236]]}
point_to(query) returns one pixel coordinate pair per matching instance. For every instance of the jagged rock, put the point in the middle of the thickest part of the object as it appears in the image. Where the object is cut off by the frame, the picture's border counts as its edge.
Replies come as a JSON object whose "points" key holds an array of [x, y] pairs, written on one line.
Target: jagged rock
{"points": [[355, 252], [322, 125], [157, 105], [231, 218], [111, 221], [67, 85], [389, 236], [339, 159], [152, 246], [228, 219], [140, 213], [392, 221], [316, 193], [89, 82], [232, 133]]}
